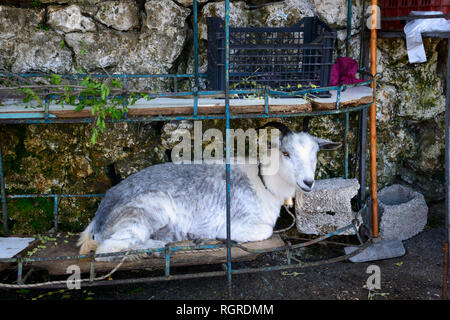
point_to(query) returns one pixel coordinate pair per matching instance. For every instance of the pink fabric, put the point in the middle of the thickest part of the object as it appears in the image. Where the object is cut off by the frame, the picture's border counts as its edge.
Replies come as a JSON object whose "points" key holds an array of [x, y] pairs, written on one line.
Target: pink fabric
{"points": [[344, 71]]}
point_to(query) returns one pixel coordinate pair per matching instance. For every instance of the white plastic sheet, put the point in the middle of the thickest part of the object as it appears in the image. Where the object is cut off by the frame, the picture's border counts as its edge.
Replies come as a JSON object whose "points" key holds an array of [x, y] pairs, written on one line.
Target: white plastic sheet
{"points": [[413, 31]]}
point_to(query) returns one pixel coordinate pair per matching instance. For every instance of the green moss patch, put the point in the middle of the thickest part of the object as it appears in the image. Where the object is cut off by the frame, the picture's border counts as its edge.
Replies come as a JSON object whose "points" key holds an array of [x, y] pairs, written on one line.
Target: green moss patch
{"points": [[30, 215]]}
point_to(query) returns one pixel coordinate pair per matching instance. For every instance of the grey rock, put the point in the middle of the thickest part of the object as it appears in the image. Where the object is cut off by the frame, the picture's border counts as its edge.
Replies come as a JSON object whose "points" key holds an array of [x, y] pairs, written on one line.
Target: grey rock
{"points": [[239, 15], [285, 13], [431, 186], [99, 50], [15, 24], [121, 15], [327, 207], [189, 3], [16, 20], [69, 19], [386, 99], [402, 212], [31, 55], [334, 13], [157, 52], [420, 87], [165, 17], [160, 42], [81, 2], [171, 132]]}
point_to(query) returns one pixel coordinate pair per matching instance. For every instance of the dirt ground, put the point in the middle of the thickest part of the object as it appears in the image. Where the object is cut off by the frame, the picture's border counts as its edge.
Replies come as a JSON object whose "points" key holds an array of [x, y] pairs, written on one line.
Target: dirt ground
{"points": [[418, 275]]}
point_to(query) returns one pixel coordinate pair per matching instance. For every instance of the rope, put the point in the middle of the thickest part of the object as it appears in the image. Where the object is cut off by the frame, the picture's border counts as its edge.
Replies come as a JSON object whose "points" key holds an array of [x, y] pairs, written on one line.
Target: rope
{"points": [[292, 224], [195, 251], [41, 284], [299, 201]]}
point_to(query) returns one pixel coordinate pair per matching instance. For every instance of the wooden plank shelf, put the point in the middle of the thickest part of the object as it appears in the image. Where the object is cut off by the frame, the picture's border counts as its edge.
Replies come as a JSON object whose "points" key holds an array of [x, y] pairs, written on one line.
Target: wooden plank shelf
{"points": [[354, 96], [168, 107], [13, 246], [65, 245]]}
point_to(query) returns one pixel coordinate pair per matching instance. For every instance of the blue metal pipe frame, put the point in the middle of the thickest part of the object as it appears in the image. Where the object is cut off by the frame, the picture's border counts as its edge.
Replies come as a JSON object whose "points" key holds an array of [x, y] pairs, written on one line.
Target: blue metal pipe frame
{"points": [[46, 118], [227, 119]]}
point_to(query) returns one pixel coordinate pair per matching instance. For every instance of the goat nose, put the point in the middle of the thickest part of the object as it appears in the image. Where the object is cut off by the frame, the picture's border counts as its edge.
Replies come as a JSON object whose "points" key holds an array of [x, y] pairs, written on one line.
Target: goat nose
{"points": [[309, 183]]}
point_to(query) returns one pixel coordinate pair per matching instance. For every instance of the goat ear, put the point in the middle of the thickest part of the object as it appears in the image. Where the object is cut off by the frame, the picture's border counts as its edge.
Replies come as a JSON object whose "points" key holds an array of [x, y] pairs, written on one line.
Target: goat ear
{"points": [[327, 144]]}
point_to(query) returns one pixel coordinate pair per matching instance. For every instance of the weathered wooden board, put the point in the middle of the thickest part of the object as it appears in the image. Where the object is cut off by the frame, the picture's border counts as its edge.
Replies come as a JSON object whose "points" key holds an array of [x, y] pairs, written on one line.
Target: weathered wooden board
{"points": [[172, 106], [351, 97], [12, 246], [66, 246]]}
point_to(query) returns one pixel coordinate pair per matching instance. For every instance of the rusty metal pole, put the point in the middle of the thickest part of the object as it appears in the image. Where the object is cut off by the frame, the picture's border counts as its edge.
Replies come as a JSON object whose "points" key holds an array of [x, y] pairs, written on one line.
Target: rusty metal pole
{"points": [[373, 115], [445, 272], [447, 176]]}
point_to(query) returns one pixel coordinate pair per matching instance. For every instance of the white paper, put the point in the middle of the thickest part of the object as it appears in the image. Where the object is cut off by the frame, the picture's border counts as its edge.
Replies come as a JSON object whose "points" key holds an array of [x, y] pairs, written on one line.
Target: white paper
{"points": [[413, 31]]}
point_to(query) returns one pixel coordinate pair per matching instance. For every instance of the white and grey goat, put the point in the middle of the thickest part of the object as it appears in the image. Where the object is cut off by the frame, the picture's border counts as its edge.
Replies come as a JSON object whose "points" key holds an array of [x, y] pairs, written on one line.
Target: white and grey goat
{"points": [[173, 202]]}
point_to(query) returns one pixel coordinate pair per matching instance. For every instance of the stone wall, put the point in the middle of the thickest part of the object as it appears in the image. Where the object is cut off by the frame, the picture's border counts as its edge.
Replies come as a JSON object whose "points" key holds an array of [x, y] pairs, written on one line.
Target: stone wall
{"points": [[64, 36]]}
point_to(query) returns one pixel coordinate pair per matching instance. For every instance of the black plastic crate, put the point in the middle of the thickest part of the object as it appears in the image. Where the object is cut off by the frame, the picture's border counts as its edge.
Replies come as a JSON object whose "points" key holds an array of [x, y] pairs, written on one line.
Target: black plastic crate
{"points": [[287, 58]]}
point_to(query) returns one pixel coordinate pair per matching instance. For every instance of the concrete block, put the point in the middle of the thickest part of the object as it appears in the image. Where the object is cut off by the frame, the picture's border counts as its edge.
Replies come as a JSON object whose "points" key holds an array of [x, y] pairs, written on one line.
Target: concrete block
{"points": [[327, 207], [402, 212]]}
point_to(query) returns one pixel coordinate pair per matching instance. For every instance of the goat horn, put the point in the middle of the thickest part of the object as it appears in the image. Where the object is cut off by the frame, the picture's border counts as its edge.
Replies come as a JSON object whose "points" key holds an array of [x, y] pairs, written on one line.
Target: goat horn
{"points": [[284, 129]]}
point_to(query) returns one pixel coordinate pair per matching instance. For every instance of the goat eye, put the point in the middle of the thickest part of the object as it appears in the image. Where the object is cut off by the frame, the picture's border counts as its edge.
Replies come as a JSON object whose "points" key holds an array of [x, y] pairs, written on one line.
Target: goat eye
{"points": [[286, 154]]}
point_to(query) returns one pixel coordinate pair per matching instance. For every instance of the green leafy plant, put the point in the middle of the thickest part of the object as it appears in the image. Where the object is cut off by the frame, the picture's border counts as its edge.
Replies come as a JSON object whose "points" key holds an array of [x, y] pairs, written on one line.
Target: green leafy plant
{"points": [[105, 98], [30, 95], [84, 48], [371, 294], [42, 27], [95, 94], [37, 4]]}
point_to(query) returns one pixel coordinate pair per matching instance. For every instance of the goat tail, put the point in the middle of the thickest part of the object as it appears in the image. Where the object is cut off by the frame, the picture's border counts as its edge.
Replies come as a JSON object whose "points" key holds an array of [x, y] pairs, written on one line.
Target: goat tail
{"points": [[86, 241]]}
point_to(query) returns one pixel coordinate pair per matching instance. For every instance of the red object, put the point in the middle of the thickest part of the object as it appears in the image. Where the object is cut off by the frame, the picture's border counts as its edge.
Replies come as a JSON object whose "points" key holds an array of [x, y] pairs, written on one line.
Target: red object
{"points": [[344, 71], [402, 8]]}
